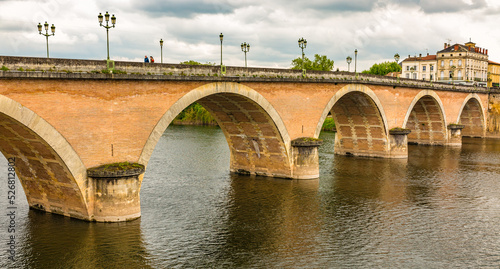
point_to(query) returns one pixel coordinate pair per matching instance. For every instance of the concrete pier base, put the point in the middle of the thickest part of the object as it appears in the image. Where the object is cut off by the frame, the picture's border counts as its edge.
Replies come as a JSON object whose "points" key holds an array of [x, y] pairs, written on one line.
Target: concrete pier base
{"points": [[398, 139], [455, 135], [305, 158], [116, 193]]}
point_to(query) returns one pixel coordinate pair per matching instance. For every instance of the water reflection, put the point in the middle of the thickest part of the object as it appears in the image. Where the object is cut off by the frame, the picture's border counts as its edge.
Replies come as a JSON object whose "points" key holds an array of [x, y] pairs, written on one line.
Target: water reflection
{"points": [[52, 241], [440, 208]]}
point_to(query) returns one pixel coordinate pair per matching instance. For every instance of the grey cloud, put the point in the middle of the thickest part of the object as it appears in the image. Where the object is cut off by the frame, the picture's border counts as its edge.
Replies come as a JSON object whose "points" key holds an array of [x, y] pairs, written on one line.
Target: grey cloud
{"points": [[445, 6], [184, 8]]}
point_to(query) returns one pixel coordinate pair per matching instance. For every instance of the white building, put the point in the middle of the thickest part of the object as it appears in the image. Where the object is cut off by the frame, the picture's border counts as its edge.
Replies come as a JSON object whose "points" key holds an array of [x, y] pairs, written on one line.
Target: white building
{"points": [[418, 67]]}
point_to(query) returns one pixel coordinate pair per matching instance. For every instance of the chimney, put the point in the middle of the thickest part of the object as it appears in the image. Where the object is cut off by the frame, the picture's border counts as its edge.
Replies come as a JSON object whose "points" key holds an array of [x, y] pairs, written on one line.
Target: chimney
{"points": [[456, 47], [427, 54], [420, 55], [486, 52]]}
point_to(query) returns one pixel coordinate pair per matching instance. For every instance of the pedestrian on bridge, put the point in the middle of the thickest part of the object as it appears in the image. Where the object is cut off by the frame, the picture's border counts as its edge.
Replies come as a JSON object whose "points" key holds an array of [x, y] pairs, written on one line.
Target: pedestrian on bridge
{"points": [[146, 60]]}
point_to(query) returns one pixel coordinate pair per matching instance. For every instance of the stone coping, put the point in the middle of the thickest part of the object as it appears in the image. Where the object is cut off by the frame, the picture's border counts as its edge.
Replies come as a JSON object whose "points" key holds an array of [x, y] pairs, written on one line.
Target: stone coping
{"points": [[56, 68], [116, 170], [306, 142], [456, 126], [399, 131]]}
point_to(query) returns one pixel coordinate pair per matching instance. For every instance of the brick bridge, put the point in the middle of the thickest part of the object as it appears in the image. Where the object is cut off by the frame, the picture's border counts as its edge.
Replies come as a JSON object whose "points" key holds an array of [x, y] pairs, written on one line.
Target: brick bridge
{"points": [[60, 119]]}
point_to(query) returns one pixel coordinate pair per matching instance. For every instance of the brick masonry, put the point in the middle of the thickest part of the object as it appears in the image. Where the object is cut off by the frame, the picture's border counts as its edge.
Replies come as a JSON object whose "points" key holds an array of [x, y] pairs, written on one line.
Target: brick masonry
{"points": [[76, 121]]}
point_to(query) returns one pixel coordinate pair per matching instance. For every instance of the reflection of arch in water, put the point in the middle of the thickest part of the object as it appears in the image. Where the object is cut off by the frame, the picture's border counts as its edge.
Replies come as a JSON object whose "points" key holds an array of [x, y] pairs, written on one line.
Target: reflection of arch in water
{"points": [[426, 119], [360, 121], [472, 117], [256, 135], [50, 171]]}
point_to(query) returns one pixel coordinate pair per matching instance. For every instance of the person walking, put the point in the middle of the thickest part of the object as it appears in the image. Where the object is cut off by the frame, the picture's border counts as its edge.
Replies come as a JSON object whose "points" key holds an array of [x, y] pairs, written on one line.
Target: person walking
{"points": [[146, 60], [152, 59]]}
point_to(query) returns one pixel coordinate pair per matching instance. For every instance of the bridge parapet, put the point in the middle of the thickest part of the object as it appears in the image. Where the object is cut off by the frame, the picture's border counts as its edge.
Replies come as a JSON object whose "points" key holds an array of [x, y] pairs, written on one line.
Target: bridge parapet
{"points": [[53, 68]]}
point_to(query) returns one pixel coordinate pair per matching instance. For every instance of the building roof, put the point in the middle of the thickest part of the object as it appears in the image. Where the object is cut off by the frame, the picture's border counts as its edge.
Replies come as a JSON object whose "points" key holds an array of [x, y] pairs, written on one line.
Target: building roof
{"points": [[425, 58], [492, 62], [463, 48]]}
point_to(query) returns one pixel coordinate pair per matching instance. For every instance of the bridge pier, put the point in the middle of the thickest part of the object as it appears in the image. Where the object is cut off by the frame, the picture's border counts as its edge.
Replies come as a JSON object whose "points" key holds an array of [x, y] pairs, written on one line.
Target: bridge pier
{"points": [[398, 140], [116, 192], [305, 158], [455, 135]]}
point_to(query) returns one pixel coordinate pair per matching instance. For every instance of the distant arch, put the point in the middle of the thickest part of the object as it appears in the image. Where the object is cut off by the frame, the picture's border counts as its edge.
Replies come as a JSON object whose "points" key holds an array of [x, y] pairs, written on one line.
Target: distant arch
{"points": [[426, 119], [360, 121], [472, 116], [349, 89], [52, 174], [253, 128]]}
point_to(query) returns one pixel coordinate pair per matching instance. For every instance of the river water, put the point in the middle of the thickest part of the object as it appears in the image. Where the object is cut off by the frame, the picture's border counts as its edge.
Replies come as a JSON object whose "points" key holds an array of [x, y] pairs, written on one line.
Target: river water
{"points": [[438, 209]]}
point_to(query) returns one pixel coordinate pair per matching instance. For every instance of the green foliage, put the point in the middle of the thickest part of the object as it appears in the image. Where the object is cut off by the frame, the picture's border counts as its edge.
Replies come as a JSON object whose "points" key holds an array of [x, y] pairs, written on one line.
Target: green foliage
{"points": [[321, 63], [383, 69], [195, 114], [4, 68], [328, 125], [191, 62]]}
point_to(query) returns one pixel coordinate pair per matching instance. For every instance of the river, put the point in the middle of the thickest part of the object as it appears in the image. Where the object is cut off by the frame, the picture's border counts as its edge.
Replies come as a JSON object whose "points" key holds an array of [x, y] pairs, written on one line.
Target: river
{"points": [[438, 209]]}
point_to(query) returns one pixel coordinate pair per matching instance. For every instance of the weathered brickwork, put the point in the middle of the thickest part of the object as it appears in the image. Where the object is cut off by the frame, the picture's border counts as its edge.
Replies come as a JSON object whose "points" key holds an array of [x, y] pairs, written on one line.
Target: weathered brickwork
{"points": [[79, 121]]}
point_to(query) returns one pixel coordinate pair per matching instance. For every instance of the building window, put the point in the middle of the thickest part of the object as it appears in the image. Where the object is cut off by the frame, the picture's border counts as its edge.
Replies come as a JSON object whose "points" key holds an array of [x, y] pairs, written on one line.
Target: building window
{"points": [[407, 75], [459, 74], [451, 63], [423, 68], [432, 67], [407, 68], [442, 63], [459, 62], [442, 74], [414, 75], [423, 76]]}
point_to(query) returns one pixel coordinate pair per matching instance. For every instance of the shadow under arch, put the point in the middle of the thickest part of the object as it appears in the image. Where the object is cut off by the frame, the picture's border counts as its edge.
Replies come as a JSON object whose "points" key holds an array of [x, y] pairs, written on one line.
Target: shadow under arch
{"points": [[426, 119], [51, 172], [258, 140], [360, 121], [472, 116]]}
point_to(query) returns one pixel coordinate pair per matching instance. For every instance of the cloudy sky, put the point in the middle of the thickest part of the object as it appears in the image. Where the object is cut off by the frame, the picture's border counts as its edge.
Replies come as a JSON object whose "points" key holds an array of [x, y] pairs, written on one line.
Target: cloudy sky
{"points": [[191, 28]]}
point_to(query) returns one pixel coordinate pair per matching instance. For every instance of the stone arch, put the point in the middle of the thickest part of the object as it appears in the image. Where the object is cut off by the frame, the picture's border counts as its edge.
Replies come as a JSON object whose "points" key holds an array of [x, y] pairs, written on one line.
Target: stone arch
{"points": [[257, 137], [50, 171], [360, 120], [472, 116], [426, 119]]}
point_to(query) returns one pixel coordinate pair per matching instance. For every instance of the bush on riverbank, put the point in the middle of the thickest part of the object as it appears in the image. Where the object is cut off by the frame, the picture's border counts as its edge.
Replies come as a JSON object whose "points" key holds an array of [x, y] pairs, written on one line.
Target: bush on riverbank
{"points": [[328, 125], [194, 114]]}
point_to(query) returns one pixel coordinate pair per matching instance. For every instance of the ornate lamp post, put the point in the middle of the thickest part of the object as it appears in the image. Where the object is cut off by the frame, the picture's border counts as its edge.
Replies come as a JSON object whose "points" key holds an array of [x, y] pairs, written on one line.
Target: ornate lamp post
{"points": [[245, 48], [113, 21], [396, 58], [349, 61], [221, 37], [53, 30], [302, 45], [355, 60], [161, 50]]}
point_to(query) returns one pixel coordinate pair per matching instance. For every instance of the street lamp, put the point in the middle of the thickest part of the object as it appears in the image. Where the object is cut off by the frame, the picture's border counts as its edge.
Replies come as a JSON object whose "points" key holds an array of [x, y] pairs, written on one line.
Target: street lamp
{"points": [[161, 50], [221, 37], [245, 48], [52, 28], [113, 21], [355, 60], [349, 61], [302, 45], [396, 58]]}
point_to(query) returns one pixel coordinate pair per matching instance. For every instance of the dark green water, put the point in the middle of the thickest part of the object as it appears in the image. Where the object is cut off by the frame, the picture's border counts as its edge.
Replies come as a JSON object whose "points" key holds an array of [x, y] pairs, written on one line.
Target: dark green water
{"points": [[438, 209]]}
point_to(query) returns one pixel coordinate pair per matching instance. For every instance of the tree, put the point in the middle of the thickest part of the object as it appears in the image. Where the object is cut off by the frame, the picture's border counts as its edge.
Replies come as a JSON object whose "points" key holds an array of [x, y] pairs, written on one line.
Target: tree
{"points": [[321, 63], [383, 69], [191, 62]]}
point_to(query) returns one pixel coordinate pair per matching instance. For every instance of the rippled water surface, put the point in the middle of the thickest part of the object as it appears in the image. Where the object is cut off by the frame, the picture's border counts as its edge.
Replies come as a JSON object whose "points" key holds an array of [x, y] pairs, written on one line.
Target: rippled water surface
{"points": [[438, 209]]}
